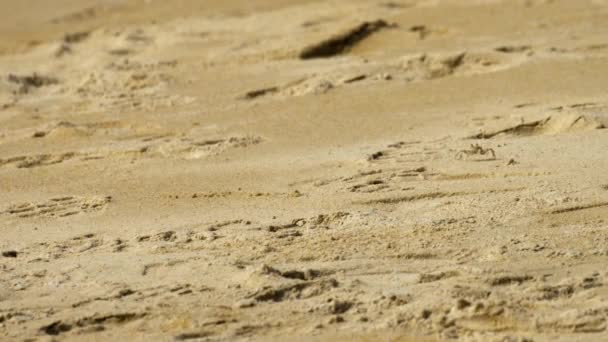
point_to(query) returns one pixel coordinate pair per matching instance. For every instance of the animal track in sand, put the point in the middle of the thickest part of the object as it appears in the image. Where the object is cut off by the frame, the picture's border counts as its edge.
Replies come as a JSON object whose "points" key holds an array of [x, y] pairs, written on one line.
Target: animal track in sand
{"points": [[187, 148], [299, 290], [430, 196], [114, 129], [393, 171], [171, 241], [103, 128], [372, 185], [599, 49], [69, 40], [305, 275], [474, 176], [122, 84], [58, 207], [97, 322], [26, 162], [589, 321], [551, 125], [129, 42], [407, 153], [85, 243], [173, 290], [433, 66], [413, 198], [125, 86], [496, 303], [437, 276], [195, 237], [508, 280], [594, 109], [579, 207], [383, 180], [591, 213], [300, 87], [29, 82], [513, 48], [415, 68], [293, 227]]}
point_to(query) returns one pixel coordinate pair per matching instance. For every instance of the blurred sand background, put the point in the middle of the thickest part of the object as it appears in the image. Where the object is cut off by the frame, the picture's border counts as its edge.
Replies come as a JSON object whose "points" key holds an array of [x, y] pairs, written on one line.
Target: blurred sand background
{"points": [[407, 170]]}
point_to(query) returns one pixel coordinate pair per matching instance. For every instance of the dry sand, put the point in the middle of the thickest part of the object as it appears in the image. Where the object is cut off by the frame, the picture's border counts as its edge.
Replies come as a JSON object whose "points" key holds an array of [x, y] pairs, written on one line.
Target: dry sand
{"points": [[408, 170]]}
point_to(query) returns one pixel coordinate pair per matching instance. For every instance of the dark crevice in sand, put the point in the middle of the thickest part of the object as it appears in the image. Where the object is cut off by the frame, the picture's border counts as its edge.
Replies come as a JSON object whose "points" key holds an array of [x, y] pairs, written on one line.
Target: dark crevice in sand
{"points": [[339, 44]]}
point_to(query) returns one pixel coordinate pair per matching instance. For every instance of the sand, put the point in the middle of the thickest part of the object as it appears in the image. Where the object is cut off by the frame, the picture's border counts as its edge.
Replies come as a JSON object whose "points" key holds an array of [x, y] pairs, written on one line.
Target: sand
{"points": [[409, 170]]}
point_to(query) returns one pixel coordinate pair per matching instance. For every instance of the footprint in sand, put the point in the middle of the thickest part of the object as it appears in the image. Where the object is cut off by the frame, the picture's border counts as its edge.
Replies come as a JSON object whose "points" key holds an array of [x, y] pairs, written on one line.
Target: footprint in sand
{"points": [[58, 207]]}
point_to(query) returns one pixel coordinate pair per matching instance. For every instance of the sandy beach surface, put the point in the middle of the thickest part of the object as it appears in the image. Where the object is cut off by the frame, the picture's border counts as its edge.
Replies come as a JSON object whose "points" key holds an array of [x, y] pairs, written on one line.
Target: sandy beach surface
{"points": [[370, 170]]}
